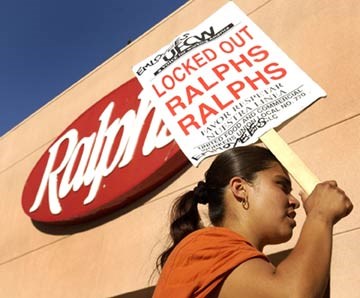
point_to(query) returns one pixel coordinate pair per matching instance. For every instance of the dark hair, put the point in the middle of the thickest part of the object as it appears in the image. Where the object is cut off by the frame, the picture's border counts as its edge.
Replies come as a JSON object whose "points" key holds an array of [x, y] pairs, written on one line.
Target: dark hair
{"points": [[243, 162]]}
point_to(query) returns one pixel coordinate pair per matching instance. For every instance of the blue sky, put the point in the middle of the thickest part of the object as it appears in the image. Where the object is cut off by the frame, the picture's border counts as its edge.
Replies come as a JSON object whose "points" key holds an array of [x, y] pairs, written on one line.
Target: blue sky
{"points": [[47, 45]]}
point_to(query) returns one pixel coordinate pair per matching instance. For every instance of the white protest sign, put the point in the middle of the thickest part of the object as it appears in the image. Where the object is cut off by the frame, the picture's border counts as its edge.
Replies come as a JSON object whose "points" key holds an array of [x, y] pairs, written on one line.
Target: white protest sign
{"points": [[223, 84]]}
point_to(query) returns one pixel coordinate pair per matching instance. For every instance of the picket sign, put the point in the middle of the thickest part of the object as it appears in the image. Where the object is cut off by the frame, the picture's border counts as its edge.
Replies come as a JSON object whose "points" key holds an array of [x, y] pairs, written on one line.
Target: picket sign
{"points": [[225, 84], [290, 160]]}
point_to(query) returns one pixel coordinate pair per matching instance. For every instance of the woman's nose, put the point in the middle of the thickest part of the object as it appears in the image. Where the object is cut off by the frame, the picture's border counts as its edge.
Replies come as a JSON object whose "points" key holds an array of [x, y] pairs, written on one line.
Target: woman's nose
{"points": [[293, 201]]}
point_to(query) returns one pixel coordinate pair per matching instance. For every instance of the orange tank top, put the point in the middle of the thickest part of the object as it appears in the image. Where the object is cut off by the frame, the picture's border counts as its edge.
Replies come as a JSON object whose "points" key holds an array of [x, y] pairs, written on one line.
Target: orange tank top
{"points": [[201, 261]]}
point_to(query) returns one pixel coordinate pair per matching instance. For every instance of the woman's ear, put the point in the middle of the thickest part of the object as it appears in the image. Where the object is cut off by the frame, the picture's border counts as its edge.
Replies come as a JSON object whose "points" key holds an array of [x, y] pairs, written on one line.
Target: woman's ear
{"points": [[238, 188]]}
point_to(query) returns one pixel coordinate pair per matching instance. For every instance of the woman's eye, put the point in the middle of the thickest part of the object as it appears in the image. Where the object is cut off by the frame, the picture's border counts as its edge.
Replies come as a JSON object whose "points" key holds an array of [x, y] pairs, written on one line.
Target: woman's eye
{"points": [[284, 187]]}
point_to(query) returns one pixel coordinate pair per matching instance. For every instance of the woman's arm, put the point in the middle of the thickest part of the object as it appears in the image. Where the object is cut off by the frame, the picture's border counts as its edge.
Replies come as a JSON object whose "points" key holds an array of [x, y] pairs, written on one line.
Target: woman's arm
{"points": [[305, 272]]}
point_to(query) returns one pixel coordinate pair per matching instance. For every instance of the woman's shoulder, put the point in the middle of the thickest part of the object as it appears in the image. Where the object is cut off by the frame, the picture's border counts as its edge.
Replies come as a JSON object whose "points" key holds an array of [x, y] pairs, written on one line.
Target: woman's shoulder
{"points": [[212, 237]]}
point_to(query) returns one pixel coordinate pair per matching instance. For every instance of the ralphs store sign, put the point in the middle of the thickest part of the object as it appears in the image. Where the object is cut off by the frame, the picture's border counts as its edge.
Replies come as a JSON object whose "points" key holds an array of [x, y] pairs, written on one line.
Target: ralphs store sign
{"points": [[115, 152]]}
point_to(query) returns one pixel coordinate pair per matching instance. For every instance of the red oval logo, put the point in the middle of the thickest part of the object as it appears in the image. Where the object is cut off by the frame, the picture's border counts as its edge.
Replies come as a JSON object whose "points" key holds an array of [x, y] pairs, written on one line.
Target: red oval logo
{"points": [[115, 152]]}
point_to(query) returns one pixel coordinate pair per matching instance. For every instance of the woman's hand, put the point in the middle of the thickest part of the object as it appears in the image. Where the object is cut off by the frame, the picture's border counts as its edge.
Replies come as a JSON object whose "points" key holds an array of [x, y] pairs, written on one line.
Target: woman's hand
{"points": [[327, 202]]}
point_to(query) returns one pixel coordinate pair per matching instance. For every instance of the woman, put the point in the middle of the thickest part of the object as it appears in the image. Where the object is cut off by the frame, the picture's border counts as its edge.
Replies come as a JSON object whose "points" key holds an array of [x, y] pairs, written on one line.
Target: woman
{"points": [[250, 205]]}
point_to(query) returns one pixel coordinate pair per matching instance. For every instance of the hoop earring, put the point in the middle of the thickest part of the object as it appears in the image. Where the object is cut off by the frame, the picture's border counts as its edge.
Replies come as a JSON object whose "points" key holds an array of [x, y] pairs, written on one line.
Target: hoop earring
{"points": [[245, 204]]}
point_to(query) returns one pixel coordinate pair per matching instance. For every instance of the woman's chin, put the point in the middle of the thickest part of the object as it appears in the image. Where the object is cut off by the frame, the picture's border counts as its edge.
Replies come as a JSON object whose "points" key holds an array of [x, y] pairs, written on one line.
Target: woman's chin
{"points": [[285, 236]]}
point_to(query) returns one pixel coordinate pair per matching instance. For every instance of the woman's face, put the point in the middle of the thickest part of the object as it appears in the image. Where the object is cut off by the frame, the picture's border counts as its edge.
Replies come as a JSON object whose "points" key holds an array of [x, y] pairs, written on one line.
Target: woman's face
{"points": [[272, 206]]}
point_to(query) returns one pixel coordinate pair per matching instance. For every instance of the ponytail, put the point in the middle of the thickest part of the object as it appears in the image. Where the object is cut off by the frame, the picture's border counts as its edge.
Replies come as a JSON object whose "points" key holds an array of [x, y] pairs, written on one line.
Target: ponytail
{"points": [[185, 218]]}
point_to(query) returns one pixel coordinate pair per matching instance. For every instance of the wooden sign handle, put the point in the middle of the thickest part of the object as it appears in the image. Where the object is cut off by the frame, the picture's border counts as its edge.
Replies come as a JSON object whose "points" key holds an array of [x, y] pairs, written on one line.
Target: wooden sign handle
{"points": [[290, 160]]}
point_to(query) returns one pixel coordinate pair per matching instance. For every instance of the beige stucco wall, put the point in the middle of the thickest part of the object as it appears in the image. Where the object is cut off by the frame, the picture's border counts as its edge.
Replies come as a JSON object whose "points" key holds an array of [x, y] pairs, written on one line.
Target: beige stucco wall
{"points": [[116, 255]]}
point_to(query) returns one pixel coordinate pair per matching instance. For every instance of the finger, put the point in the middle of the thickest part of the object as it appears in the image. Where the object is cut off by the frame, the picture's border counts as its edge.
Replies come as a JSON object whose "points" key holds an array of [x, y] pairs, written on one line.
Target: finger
{"points": [[332, 183], [349, 207], [303, 196]]}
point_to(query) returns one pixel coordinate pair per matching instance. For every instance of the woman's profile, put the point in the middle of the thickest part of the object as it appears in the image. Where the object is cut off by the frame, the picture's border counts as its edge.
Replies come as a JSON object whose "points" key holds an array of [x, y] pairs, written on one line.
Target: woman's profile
{"points": [[250, 205]]}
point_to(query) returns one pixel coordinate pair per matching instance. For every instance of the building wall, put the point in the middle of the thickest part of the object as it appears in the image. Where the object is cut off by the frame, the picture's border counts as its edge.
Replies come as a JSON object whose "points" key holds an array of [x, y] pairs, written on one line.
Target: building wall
{"points": [[116, 254]]}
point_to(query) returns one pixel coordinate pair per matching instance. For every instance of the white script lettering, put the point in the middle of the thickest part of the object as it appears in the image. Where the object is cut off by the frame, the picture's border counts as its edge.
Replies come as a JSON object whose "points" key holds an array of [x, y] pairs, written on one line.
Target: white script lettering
{"points": [[95, 151]]}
